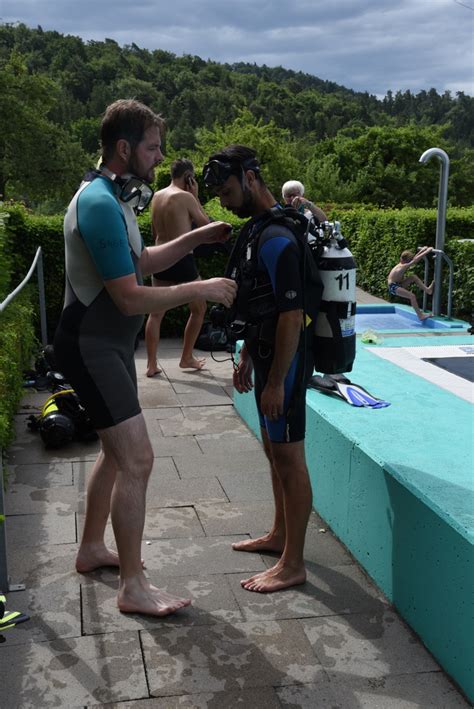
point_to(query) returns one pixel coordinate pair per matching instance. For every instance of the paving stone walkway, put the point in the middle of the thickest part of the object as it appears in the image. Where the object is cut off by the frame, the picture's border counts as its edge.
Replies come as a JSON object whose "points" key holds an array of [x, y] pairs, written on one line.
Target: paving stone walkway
{"points": [[332, 643]]}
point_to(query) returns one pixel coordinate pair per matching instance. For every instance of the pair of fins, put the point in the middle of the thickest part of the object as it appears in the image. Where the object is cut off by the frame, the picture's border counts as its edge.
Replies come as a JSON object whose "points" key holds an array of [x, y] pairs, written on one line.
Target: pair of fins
{"points": [[338, 385], [8, 619]]}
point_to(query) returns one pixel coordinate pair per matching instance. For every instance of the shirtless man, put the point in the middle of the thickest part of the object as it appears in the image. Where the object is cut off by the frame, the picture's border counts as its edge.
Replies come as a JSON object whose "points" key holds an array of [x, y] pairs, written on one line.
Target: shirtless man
{"points": [[398, 284], [175, 210]]}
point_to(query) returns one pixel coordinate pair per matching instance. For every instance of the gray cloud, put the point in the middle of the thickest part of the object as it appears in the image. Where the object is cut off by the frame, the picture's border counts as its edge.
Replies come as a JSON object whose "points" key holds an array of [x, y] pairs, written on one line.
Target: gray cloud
{"points": [[366, 45]]}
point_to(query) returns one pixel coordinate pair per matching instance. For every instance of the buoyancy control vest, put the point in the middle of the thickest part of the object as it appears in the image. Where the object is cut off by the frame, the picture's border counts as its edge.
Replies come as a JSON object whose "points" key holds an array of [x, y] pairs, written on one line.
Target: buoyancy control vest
{"points": [[323, 258]]}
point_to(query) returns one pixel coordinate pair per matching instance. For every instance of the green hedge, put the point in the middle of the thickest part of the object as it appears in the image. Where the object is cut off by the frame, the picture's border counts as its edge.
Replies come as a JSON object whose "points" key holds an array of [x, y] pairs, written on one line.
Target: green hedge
{"points": [[376, 237], [16, 338]]}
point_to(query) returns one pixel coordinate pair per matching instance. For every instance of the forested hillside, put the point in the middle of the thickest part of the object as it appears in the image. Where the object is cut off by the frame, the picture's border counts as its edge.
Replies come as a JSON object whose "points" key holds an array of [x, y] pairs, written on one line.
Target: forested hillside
{"points": [[347, 147]]}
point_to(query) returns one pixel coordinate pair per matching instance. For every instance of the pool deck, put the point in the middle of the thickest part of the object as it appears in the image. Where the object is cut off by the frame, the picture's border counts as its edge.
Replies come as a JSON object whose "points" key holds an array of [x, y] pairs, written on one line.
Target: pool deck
{"points": [[333, 642], [396, 485]]}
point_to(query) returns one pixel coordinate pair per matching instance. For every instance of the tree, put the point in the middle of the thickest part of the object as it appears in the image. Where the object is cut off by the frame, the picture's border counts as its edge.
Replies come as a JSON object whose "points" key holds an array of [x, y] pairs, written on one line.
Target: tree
{"points": [[37, 157]]}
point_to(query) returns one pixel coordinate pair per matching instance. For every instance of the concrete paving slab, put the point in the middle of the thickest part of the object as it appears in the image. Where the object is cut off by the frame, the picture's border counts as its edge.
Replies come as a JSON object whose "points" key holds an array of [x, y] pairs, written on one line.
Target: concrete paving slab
{"points": [[41, 475], [156, 392], [209, 555], [212, 602], [208, 397], [73, 672], [163, 469], [423, 690], [233, 443], [42, 565], [253, 518], [162, 412], [260, 698], [40, 529], [335, 591], [26, 500], [228, 657], [160, 523], [54, 611], [367, 645], [246, 486], [208, 419], [174, 493], [175, 445], [218, 461]]}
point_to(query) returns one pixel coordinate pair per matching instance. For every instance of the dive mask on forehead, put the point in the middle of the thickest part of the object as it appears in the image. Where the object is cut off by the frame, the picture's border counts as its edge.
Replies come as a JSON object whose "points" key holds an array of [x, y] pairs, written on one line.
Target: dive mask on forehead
{"points": [[216, 172], [131, 188]]}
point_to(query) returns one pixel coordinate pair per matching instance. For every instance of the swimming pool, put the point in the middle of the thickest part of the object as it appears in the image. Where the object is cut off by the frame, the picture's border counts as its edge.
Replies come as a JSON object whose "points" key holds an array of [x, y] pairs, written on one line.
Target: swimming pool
{"points": [[400, 318]]}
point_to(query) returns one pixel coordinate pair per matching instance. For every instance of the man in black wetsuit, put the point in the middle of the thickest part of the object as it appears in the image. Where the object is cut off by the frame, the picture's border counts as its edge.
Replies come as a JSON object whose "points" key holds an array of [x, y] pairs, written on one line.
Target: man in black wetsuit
{"points": [[277, 350], [94, 343]]}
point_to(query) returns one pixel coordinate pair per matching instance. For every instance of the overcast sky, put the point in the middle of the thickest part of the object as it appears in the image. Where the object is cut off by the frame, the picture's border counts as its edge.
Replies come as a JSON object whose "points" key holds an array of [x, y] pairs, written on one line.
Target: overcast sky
{"points": [[365, 45]]}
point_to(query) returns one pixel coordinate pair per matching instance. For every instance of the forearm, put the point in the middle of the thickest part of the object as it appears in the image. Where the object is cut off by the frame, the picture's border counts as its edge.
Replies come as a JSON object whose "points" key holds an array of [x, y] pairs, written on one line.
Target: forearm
{"points": [[146, 299], [159, 258], [317, 212], [287, 337]]}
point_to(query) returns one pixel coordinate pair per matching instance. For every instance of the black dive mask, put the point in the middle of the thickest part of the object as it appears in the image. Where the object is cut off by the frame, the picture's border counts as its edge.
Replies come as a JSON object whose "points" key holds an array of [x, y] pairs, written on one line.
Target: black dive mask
{"points": [[131, 188], [216, 172]]}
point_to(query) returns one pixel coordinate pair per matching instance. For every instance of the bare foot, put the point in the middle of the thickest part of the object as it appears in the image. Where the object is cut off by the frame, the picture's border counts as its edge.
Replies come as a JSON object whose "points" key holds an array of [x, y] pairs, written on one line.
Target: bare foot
{"points": [[425, 316], [93, 556], [147, 599], [266, 543], [275, 579], [152, 370], [430, 288], [192, 363]]}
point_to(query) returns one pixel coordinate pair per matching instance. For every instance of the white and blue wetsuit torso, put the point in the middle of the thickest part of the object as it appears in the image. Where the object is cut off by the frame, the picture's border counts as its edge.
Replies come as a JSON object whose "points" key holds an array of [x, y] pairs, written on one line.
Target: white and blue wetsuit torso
{"points": [[94, 342]]}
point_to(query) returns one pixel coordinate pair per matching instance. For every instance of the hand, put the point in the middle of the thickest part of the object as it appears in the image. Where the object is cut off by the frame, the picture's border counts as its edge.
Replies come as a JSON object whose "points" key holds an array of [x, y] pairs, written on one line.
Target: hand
{"points": [[272, 400], [219, 290], [214, 233], [242, 377], [296, 202]]}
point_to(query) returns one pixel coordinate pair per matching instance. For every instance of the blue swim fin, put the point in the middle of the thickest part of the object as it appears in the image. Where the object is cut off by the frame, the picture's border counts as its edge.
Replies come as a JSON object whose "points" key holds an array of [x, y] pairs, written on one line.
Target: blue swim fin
{"points": [[358, 396]]}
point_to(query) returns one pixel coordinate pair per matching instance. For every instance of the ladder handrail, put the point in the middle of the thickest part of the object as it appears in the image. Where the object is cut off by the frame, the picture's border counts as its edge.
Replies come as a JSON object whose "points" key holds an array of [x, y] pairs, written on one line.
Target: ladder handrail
{"points": [[446, 258]]}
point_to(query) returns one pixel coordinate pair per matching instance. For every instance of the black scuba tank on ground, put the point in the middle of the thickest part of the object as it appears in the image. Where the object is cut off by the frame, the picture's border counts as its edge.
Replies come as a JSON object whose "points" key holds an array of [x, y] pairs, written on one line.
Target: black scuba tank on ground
{"points": [[334, 329], [62, 418]]}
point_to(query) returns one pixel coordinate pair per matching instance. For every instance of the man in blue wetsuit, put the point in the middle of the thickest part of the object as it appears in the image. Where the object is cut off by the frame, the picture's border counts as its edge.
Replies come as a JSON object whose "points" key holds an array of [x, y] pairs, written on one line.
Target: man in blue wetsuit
{"points": [[94, 344], [277, 351]]}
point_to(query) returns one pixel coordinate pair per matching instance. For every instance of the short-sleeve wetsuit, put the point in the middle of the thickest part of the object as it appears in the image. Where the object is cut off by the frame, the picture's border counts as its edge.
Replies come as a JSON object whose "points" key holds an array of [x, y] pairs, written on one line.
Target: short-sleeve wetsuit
{"points": [[279, 260], [94, 342]]}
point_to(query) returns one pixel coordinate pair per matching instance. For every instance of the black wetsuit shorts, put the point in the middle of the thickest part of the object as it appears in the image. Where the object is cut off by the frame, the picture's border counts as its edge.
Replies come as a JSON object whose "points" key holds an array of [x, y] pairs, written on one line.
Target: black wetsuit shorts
{"points": [[291, 425], [184, 271]]}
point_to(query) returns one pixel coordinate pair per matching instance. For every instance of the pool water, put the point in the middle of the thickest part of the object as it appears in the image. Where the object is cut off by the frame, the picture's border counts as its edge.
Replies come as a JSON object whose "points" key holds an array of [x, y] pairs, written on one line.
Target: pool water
{"points": [[386, 321], [400, 318]]}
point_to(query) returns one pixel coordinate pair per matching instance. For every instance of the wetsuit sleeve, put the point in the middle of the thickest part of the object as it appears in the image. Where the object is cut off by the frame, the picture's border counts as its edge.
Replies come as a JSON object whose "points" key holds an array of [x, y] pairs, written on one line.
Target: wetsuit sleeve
{"points": [[102, 226], [279, 256]]}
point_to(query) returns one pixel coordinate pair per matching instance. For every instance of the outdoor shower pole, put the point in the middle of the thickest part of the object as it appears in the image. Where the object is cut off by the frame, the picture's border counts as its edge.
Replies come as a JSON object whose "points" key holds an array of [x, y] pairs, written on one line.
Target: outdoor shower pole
{"points": [[441, 219]]}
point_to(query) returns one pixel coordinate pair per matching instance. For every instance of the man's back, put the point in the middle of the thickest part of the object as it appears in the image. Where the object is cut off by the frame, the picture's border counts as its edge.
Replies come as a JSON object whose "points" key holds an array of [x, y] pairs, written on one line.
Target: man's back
{"points": [[171, 213]]}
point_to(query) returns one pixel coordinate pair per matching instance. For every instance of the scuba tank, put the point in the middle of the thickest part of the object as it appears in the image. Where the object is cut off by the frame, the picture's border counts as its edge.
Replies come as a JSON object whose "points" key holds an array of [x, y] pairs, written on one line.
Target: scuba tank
{"points": [[334, 332]]}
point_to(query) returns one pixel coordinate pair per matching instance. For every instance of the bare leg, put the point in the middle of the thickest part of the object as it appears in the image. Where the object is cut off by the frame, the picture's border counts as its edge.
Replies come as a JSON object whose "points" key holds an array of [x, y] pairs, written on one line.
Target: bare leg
{"points": [[191, 333], [418, 282], [404, 293], [152, 339], [92, 551], [289, 571], [128, 444], [275, 539]]}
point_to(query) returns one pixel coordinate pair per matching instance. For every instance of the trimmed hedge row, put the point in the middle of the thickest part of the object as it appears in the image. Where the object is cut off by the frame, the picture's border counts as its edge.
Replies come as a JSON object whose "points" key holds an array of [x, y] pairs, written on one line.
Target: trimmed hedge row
{"points": [[17, 340], [376, 237]]}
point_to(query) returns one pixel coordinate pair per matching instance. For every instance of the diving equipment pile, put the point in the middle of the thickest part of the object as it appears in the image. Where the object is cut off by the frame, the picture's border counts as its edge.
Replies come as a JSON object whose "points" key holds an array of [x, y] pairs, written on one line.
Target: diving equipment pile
{"points": [[341, 387]]}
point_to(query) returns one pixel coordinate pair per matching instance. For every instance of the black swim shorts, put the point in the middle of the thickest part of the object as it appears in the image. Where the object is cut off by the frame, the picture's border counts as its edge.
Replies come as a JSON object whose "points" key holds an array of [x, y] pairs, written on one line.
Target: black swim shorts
{"points": [[184, 271]]}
